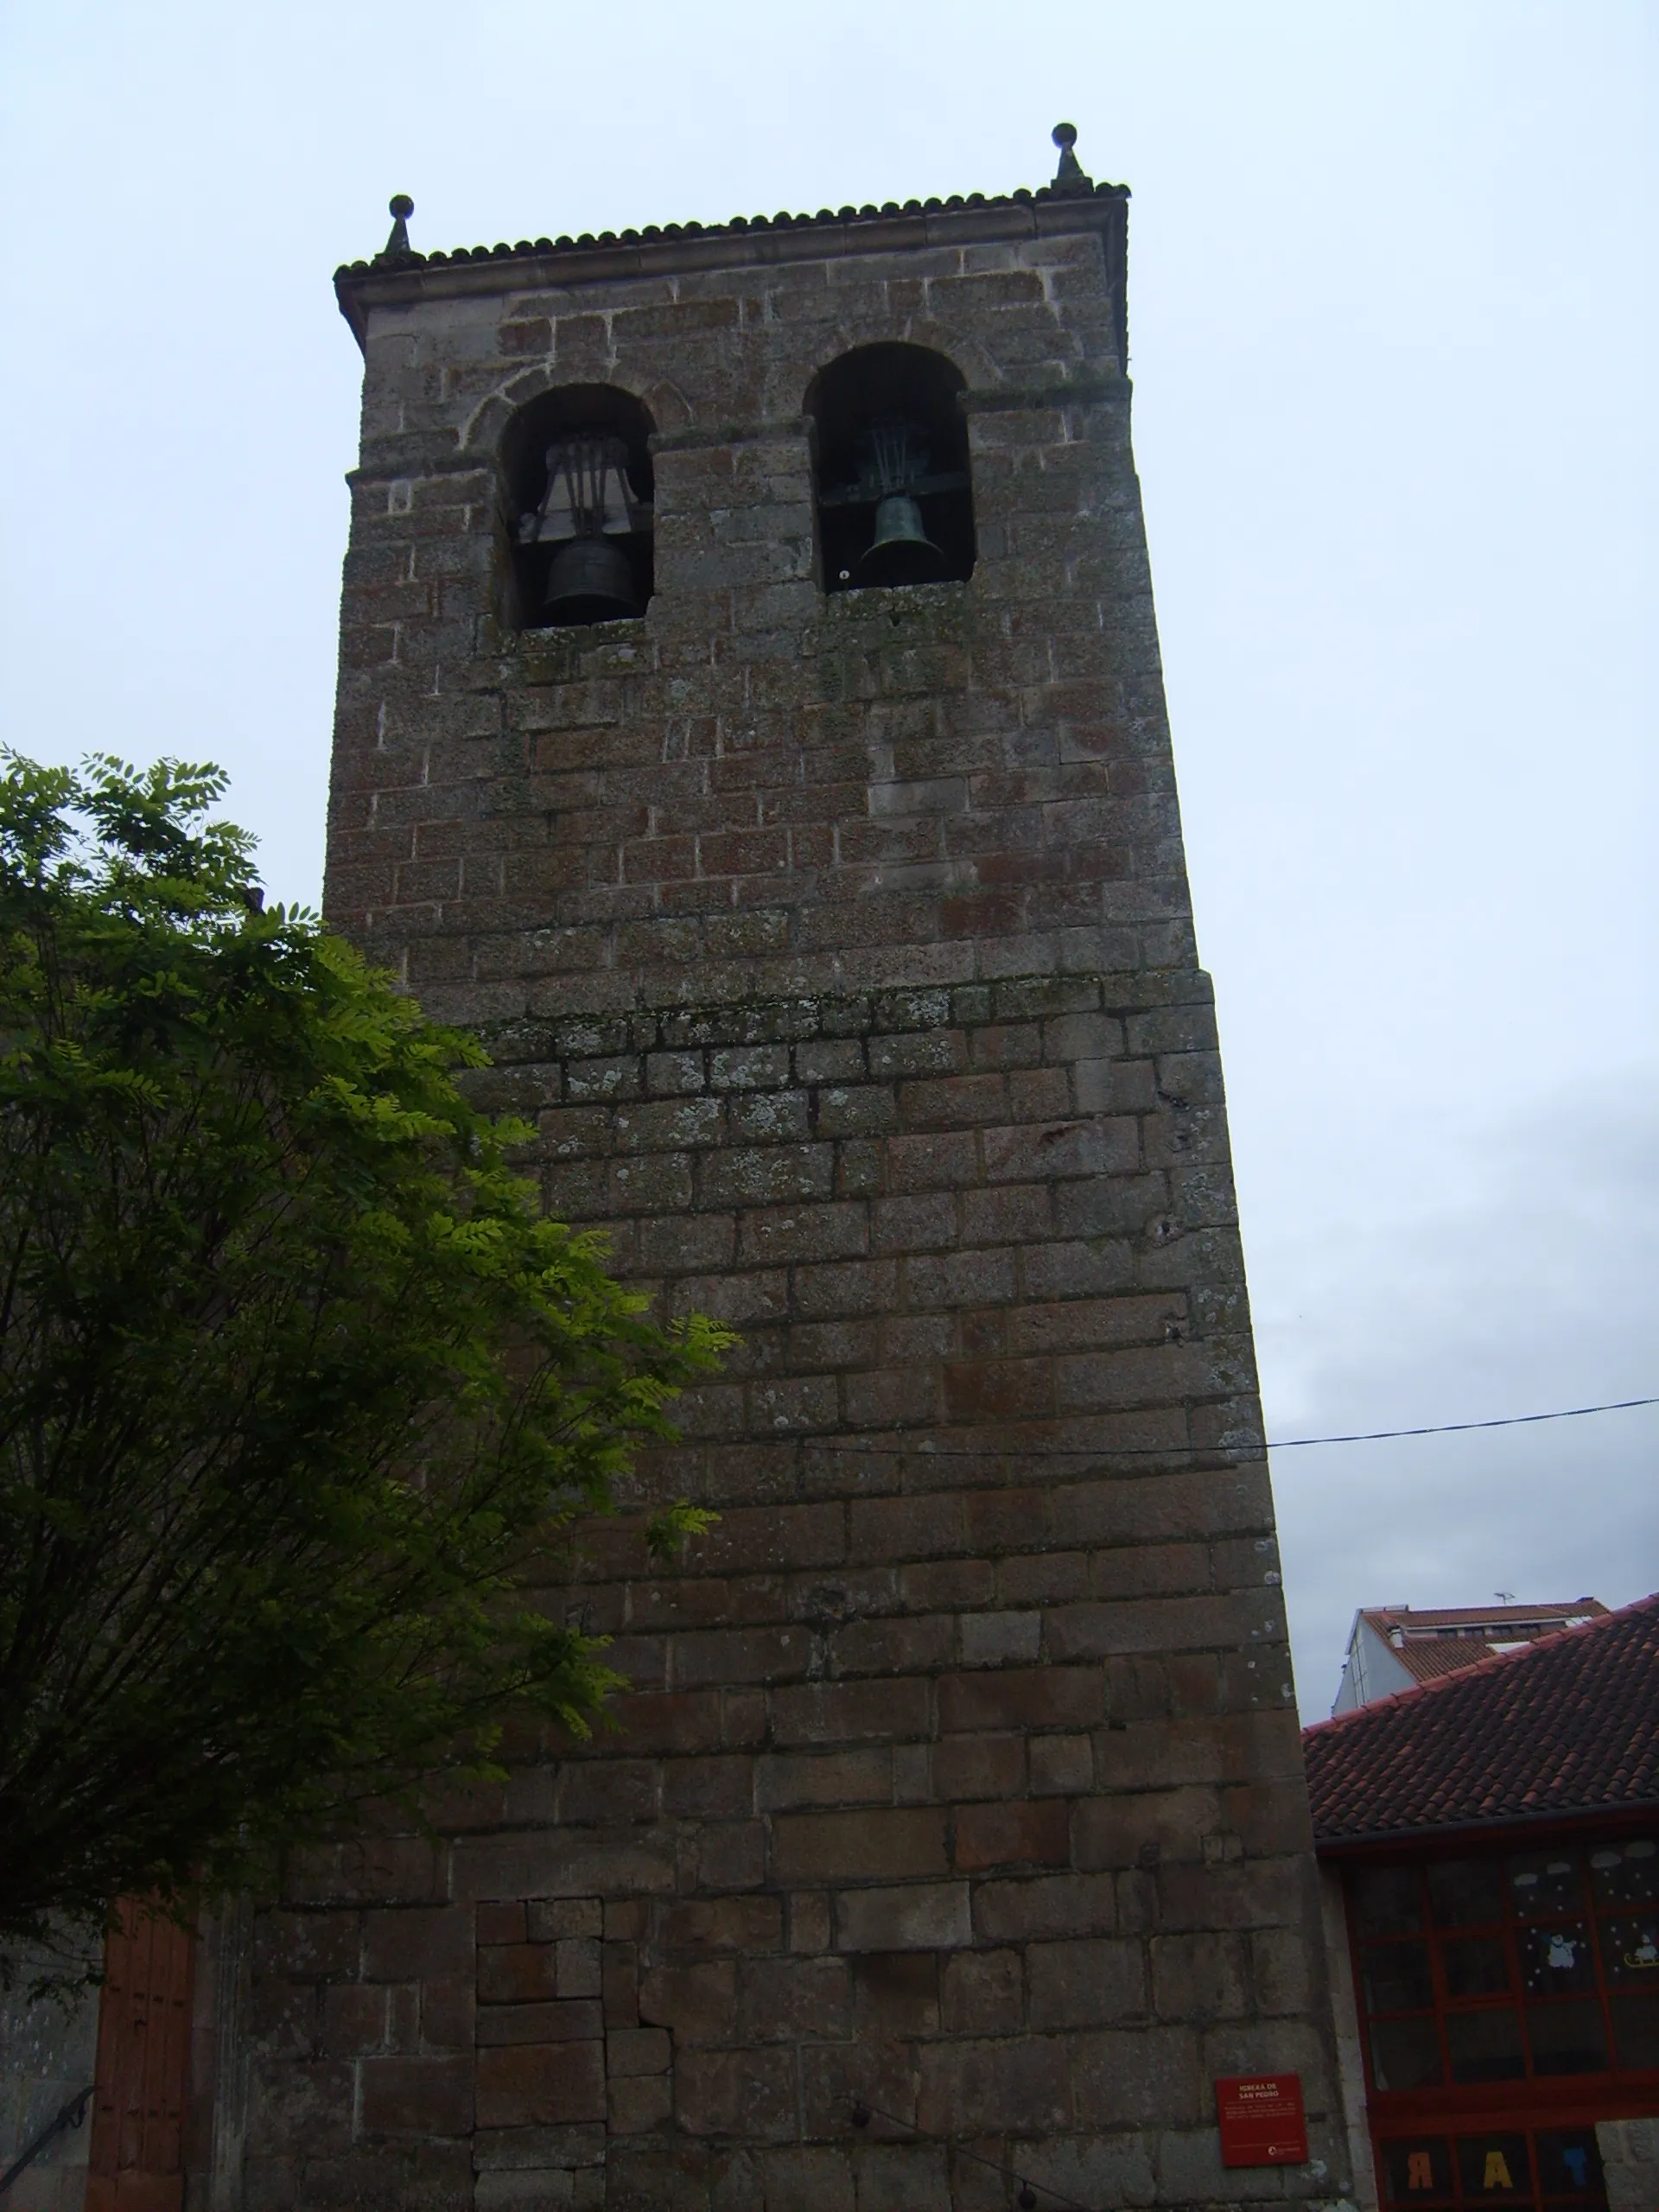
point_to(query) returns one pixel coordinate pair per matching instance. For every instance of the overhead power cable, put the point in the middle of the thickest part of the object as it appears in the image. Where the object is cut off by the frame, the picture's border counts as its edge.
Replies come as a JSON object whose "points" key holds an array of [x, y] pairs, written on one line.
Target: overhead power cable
{"points": [[1456, 1428], [1038, 1450]]}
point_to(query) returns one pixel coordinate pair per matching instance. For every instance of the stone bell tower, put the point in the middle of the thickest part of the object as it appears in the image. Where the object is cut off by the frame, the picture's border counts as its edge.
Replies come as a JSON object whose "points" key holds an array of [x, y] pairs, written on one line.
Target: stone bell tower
{"points": [[751, 721]]}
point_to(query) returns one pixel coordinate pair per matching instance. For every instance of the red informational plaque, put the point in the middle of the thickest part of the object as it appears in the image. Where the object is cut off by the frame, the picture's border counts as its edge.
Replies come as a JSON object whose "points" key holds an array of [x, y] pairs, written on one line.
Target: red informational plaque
{"points": [[1262, 2121]]}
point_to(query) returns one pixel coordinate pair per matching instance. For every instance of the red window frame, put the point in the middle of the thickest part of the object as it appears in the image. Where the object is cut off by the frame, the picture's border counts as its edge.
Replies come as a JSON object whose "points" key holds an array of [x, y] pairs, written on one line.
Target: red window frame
{"points": [[1536, 2103]]}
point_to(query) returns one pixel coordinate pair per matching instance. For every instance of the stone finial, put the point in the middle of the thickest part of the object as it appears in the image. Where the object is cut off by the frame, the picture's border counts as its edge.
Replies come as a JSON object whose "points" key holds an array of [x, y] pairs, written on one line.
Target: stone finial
{"points": [[401, 208], [1070, 177]]}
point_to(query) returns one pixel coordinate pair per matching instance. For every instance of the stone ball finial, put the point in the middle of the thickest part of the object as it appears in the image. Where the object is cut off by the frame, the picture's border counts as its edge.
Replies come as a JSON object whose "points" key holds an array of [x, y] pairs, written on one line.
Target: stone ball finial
{"points": [[401, 208], [1069, 177]]}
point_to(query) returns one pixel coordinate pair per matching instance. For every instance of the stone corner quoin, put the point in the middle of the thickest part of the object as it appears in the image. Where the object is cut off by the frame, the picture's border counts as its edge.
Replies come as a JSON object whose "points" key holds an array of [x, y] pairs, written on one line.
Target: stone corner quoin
{"points": [[839, 946]]}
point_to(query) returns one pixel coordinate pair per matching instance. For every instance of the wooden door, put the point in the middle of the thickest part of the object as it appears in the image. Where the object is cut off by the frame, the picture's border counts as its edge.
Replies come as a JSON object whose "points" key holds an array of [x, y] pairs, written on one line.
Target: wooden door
{"points": [[137, 2156]]}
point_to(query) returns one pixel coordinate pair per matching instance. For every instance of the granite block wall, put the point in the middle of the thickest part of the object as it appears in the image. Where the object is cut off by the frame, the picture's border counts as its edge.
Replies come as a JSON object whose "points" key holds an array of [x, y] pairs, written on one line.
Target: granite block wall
{"points": [[838, 947]]}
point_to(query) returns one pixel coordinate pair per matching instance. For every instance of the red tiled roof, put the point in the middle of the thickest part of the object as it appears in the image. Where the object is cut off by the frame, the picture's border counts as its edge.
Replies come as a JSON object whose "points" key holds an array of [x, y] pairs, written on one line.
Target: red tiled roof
{"points": [[1383, 1618], [1569, 1724], [1428, 1657], [1471, 1632]]}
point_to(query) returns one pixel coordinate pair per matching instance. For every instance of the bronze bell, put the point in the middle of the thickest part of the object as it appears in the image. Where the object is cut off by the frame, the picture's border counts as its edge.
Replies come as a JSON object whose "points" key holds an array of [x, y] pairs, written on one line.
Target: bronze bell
{"points": [[590, 581], [902, 552]]}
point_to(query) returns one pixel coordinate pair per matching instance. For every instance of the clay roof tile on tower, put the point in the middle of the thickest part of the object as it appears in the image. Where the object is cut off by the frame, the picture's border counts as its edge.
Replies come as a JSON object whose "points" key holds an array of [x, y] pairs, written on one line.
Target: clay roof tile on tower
{"points": [[825, 218]]}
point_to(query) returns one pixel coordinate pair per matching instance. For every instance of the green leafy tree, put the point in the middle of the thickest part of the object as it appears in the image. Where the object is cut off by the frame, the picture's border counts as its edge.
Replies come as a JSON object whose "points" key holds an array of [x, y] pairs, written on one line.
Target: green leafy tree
{"points": [[296, 1383]]}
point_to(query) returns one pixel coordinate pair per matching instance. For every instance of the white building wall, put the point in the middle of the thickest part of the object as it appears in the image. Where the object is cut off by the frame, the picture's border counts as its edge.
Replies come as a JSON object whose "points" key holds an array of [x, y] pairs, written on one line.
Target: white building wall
{"points": [[1344, 2013], [1370, 1670]]}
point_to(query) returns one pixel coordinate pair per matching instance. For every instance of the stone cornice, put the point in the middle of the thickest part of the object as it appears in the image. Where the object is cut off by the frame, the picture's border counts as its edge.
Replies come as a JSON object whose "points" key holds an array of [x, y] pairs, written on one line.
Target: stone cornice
{"points": [[396, 279]]}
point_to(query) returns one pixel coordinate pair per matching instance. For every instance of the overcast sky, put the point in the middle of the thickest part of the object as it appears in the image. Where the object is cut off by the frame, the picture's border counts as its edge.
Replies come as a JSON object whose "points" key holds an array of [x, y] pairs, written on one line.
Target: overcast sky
{"points": [[1392, 321]]}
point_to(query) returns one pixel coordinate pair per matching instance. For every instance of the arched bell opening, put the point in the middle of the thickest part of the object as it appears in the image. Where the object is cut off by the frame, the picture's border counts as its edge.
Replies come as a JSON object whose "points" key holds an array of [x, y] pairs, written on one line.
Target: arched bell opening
{"points": [[578, 487], [895, 502]]}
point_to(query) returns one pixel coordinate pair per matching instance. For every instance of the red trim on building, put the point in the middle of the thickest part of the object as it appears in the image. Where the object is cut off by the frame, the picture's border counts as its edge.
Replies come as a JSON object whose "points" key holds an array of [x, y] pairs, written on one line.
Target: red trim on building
{"points": [[1497, 1833]]}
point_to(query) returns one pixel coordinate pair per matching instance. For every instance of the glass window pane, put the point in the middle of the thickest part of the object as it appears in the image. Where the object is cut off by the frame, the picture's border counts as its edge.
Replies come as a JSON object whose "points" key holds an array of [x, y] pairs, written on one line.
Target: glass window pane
{"points": [[1475, 1965], [1557, 1958], [1627, 1873], [1569, 2166], [1405, 2055], [1546, 1881], [1636, 2031], [1387, 1900], [1485, 2046], [1396, 1977], [1494, 2169], [1417, 2170], [1566, 2038], [1465, 1892], [1629, 1951]]}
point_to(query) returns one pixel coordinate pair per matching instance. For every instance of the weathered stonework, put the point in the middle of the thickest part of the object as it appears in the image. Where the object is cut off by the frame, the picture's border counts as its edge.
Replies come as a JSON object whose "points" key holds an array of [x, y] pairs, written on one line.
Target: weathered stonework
{"points": [[840, 949]]}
